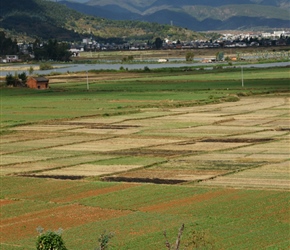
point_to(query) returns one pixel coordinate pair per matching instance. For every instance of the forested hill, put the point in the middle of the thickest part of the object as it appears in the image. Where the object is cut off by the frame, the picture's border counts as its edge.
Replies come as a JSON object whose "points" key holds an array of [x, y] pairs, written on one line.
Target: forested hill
{"points": [[37, 18], [51, 20], [193, 14]]}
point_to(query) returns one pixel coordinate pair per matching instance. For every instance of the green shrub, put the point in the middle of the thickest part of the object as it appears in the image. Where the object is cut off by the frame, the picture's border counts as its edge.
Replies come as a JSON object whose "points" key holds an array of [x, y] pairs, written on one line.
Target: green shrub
{"points": [[146, 69], [189, 56], [45, 66], [50, 241], [104, 240], [16, 80]]}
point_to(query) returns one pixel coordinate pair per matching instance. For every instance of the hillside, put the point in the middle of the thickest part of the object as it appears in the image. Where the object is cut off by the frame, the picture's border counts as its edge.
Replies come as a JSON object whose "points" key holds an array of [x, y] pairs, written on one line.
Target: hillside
{"points": [[49, 20], [197, 15]]}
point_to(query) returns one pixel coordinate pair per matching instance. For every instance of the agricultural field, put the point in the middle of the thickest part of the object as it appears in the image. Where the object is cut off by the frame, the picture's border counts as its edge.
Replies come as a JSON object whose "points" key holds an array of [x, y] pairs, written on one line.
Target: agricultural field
{"points": [[140, 153]]}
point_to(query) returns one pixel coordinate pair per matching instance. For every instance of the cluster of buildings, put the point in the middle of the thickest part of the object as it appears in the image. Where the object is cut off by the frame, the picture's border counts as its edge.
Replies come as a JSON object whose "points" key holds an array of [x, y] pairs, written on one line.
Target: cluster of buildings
{"points": [[226, 40]]}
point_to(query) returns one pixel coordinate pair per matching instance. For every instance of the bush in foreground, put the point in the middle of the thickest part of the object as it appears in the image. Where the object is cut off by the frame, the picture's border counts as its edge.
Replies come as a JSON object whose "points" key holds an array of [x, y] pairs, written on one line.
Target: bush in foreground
{"points": [[50, 241]]}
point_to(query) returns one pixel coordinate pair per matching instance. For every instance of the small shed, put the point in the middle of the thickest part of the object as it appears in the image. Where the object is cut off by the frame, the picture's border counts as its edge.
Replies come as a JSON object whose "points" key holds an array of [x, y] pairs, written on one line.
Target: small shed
{"points": [[37, 83]]}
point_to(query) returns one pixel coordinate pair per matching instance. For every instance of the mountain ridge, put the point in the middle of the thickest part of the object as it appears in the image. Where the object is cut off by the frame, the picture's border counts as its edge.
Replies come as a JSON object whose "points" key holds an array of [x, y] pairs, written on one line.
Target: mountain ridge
{"points": [[193, 14], [50, 20]]}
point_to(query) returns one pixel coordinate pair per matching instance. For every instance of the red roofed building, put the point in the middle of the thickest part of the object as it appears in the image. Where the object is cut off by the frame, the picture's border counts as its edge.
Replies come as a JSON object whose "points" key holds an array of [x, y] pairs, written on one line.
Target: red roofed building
{"points": [[37, 83]]}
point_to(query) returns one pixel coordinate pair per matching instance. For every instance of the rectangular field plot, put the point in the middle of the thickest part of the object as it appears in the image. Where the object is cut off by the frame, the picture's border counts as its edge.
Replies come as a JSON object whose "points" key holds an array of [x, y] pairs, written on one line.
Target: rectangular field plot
{"points": [[17, 136], [166, 176], [279, 123], [247, 105], [107, 130], [20, 158], [88, 170], [47, 142], [116, 144], [279, 148], [45, 128], [18, 167], [274, 176], [200, 146], [145, 114], [218, 130], [264, 134], [202, 118]]}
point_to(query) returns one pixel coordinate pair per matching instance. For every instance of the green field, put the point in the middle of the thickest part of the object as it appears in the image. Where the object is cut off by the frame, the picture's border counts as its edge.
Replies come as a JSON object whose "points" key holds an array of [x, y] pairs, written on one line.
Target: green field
{"points": [[114, 97], [90, 160]]}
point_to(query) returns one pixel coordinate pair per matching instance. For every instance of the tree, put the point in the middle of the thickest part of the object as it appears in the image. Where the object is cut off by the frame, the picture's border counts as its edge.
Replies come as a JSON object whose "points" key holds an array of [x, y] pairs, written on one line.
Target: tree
{"points": [[9, 80], [16, 80], [219, 56], [50, 241], [52, 51], [7, 46], [23, 78], [31, 70], [189, 56], [158, 43], [104, 240]]}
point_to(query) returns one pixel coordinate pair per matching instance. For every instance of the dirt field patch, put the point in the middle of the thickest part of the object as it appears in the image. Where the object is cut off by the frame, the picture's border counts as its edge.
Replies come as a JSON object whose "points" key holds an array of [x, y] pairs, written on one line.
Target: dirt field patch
{"points": [[61, 217], [5, 202]]}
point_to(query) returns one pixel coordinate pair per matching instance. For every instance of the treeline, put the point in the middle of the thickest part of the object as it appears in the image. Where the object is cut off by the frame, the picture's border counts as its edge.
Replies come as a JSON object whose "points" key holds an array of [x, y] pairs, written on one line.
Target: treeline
{"points": [[16, 80], [52, 50], [7, 45]]}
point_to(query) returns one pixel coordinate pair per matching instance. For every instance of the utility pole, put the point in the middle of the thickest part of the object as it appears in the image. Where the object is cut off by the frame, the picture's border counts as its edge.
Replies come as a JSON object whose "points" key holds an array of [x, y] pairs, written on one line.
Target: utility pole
{"points": [[88, 87], [242, 73]]}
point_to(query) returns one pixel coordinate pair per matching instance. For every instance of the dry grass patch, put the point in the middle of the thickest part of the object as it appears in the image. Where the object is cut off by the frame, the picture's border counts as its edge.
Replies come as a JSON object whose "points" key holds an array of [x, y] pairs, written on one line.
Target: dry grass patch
{"points": [[162, 174], [17, 136], [200, 146], [85, 170], [116, 144], [45, 128], [13, 159], [218, 130], [106, 131], [38, 166], [264, 134], [274, 176], [29, 145], [274, 148]]}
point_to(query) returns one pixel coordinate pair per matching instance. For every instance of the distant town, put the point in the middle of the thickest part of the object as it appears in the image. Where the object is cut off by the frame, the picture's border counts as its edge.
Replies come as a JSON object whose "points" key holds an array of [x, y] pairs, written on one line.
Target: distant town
{"points": [[226, 40]]}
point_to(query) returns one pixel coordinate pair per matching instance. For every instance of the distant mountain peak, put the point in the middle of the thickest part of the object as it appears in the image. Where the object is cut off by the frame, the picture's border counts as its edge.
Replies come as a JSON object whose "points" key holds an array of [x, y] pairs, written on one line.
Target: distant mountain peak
{"points": [[200, 15]]}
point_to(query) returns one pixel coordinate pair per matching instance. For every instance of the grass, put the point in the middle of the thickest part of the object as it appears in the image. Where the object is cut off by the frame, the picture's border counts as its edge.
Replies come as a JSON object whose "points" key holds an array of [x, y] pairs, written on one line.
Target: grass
{"points": [[70, 100], [229, 216]]}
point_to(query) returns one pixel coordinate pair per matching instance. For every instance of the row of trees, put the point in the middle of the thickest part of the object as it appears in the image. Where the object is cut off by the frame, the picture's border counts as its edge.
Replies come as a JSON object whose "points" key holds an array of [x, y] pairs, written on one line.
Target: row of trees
{"points": [[52, 50], [16, 80]]}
